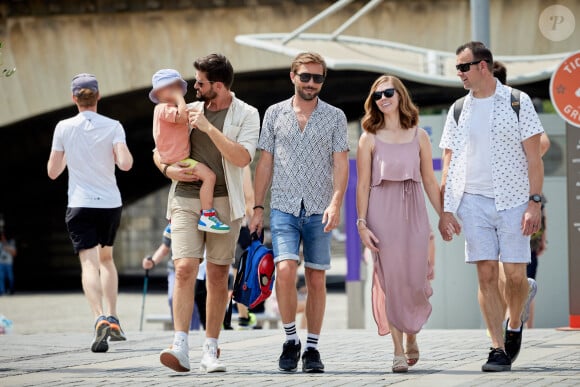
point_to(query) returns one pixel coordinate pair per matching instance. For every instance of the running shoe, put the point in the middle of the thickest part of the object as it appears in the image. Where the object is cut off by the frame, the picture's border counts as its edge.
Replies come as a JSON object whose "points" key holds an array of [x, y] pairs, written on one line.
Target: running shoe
{"points": [[209, 222], [210, 359], [246, 323], [497, 361], [311, 362], [513, 342], [102, 328], [116, 332], [288, 361], [176, 358]]}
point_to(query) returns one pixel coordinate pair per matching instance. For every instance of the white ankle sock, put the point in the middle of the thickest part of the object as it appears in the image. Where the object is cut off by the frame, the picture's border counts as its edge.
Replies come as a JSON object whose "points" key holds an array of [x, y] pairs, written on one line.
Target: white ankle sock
{"points": [[291, 334], [180, 340], [211, 342], [312, 341]]}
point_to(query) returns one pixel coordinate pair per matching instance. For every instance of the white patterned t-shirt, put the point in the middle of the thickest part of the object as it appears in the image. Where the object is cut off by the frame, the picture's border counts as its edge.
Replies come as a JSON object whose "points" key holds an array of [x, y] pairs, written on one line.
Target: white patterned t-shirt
{"points": [[303, 160], [509, 165]]}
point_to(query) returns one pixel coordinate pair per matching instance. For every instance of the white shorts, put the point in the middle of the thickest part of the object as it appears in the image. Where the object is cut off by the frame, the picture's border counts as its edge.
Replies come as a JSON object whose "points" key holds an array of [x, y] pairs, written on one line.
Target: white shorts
{"points": [[491, 234]]}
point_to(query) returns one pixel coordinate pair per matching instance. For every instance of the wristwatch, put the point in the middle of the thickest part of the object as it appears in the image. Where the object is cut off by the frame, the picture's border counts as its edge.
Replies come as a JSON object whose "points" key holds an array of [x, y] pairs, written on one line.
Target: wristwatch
{"points": [[536, 198]]}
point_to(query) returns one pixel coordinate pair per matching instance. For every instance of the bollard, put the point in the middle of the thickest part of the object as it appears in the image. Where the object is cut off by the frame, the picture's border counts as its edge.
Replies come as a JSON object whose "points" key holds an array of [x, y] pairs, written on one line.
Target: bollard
{"points": [[354, 284]]}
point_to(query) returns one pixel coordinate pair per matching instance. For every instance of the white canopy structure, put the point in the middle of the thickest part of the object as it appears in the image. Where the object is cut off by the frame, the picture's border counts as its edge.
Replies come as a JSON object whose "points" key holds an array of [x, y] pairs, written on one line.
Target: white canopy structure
{"points": [[428, 66]]}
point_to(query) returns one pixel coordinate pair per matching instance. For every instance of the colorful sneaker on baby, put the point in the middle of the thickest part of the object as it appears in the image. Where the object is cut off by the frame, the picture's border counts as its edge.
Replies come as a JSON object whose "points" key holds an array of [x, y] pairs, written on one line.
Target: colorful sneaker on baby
{"points": [[209, 222]]}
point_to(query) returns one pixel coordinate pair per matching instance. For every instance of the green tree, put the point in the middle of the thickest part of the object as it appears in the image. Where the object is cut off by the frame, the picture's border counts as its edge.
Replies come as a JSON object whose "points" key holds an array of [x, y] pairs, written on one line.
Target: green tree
{"points": [[6, 72]]}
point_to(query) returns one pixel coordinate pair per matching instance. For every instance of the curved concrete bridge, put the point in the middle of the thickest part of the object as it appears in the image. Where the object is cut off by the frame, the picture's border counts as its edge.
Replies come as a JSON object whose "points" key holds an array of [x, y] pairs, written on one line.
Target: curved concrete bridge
{"points": [[125, 43]]}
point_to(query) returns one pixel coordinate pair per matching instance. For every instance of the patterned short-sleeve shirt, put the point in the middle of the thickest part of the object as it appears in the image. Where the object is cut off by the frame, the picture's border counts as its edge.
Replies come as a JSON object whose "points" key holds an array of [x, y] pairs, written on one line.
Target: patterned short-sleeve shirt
{"points": [[509, 164], [303, 160]]}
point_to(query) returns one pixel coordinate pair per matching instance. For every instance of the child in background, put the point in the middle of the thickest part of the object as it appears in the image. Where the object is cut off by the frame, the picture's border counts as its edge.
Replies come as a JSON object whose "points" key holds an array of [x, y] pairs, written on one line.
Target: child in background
{"points": [[171, 134]]}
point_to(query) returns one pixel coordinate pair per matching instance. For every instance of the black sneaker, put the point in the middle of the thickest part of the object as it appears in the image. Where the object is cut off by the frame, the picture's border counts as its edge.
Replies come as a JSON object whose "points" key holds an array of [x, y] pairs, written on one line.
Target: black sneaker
{"points": [[497, 361], [311, 362], [513, 342], [288, 361], [115, 330], [102, 328]]}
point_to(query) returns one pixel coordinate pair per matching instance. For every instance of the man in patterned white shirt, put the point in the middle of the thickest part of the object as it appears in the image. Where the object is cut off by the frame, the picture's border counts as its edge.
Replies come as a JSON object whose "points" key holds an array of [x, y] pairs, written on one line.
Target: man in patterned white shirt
{"points": [[305, 156], [492, 179]]}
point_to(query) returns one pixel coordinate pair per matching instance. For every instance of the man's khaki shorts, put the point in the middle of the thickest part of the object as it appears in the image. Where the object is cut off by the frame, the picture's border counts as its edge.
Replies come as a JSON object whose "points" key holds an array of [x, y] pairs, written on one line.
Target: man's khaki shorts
{"points": [[188, 242]]}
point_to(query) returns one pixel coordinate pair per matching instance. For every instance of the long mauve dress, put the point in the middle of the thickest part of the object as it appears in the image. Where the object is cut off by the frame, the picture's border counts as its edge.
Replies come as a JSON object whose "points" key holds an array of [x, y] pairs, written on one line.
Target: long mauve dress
{"points": [[397, 215]]}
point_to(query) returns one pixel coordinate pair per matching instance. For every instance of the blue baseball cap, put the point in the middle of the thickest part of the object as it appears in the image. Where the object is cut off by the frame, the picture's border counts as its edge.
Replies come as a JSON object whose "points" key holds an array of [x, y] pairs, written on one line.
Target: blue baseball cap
{"points": [[165, 77], [84, 81]]}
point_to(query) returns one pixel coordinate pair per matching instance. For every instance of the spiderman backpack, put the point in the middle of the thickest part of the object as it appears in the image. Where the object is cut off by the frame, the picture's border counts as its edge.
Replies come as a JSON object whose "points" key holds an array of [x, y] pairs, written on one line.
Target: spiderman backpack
{"points": [[255, 277]]}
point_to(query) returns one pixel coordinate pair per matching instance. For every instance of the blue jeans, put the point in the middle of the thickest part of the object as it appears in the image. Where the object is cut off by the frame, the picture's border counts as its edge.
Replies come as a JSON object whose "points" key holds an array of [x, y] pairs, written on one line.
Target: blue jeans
{"points": [[289, 230], [6, 274]]}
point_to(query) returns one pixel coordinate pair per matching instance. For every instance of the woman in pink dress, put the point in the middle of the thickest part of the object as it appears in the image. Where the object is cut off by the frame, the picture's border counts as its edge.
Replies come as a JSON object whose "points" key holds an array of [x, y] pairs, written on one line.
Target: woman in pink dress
{"points": [[394, 164]]}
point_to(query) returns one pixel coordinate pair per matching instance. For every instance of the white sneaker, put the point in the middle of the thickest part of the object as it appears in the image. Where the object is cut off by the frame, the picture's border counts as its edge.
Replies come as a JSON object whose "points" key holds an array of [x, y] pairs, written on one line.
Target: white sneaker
{"points": [[209, 360], [533, 286], [209, 222], [176, 358]]}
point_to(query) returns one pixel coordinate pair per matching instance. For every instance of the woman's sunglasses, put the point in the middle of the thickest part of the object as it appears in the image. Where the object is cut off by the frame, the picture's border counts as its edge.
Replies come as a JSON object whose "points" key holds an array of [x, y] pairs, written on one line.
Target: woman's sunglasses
{"points": [[388, 93]]}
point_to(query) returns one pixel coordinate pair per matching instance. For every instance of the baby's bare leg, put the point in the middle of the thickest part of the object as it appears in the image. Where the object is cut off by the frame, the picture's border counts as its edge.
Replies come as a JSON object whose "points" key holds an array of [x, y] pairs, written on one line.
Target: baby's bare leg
{"points": [[207, 178]]}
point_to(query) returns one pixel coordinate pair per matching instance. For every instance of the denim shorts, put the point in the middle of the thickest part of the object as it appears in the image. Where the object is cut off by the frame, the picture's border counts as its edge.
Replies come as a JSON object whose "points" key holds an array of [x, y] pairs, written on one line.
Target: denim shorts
{"points": [[289, 230], [491, 234]]}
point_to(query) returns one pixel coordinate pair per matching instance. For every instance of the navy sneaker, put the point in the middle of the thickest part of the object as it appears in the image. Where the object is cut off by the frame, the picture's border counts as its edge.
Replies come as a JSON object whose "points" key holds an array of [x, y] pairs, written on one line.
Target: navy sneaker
{"points": [[513, 342], [311, 362], [115, 331], [288, 361], [102, 327], [497, 361]]}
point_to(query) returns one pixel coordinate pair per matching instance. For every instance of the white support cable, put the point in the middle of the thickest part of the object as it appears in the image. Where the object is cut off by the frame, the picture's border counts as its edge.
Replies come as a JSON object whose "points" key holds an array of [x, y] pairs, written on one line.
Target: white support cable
{"points": [[327, 12], [361, 12]]}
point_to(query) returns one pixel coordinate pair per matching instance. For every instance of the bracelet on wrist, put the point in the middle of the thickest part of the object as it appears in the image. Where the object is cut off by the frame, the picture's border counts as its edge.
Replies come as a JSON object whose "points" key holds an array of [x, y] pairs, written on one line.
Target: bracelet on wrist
{"points": [[165, 170], [360, 221], [258, 206], [150, 258]]}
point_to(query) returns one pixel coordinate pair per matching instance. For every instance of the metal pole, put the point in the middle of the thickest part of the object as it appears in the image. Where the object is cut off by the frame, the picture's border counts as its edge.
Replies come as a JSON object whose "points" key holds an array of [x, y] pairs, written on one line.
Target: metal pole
{"points": [[355, 285], [361, 12], [328, 11], [353, 243], [480, 21]]}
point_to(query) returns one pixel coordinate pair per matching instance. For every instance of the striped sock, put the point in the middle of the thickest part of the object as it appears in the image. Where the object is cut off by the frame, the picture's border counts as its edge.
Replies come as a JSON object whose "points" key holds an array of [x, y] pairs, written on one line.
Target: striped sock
{"points": [[312, 341], [291, 334]]}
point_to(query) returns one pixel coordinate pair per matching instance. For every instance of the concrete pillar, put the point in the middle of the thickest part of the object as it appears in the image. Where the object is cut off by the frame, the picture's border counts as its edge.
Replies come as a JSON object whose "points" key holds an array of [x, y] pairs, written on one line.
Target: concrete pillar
{"points": [[480, 21]]}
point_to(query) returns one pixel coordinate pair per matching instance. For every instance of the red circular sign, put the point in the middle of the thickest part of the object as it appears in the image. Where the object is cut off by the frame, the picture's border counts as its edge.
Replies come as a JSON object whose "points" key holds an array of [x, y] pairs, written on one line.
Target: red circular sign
{"points": [[565, 89]]}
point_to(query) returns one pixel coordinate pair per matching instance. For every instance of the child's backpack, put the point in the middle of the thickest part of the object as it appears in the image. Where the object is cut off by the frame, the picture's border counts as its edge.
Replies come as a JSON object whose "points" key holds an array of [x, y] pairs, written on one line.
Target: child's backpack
{"points": [[255, 276]]}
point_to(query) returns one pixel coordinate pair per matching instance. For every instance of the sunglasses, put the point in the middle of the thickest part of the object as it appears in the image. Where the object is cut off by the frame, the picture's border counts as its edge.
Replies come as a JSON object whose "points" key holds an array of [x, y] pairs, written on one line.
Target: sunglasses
{"points": [[200, 83], [464, 67], [306, 77], [388, 93]]}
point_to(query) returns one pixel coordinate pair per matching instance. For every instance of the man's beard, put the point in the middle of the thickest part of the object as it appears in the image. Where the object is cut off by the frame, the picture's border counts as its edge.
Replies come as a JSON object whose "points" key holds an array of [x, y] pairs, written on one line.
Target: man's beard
{"points": [[211, 94], [307, 97]]}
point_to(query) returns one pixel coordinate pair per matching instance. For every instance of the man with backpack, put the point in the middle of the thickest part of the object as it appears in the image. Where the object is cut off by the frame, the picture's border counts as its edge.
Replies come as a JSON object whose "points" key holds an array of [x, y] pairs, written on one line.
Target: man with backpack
{"points": [[305, 156], [492, 179]]}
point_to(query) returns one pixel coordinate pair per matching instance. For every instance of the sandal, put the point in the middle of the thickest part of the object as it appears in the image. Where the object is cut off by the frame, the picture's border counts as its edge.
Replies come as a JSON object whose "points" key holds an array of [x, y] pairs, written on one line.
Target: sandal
{"points": [[400, 364], [412, 354]]}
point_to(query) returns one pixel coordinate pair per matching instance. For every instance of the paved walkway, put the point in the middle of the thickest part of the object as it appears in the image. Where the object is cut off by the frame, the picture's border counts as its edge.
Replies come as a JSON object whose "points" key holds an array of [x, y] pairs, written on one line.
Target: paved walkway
{"points": [[352, 357]]}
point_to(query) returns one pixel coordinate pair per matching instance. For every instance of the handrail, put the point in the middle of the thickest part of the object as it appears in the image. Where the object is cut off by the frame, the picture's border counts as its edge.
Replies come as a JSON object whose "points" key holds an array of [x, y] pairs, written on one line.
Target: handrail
{"points": [[433, 72]]}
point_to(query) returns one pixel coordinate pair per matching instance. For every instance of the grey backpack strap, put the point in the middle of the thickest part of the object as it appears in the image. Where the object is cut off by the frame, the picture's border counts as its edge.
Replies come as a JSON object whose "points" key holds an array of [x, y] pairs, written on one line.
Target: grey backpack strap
{"points": [[515, 100], [514, 97], [457, 108]]}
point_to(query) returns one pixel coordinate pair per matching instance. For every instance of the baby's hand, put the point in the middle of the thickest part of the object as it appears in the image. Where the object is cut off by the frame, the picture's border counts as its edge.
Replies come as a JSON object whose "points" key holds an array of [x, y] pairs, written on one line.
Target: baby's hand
{"points": [[177, 96]]}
